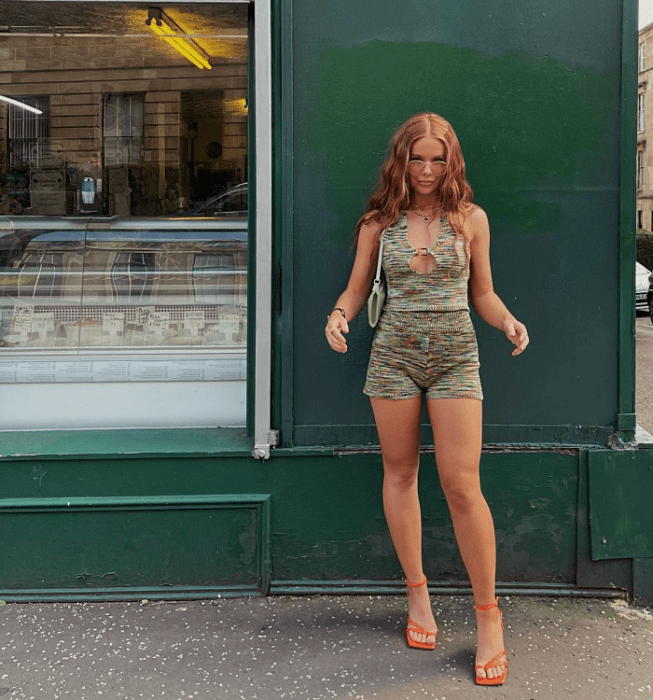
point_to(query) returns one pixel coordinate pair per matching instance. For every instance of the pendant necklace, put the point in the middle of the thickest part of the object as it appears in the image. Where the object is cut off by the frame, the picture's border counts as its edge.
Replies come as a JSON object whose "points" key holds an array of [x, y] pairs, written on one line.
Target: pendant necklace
{"points": [[427, 217]]}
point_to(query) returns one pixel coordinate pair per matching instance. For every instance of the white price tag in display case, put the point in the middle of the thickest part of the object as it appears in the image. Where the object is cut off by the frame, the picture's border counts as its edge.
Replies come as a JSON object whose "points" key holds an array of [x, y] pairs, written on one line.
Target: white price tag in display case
{"points": [[143, 314], [194, 322], [113, 322], [23, 327], [42, 324], [22, 323], [230, 326], [158, 323]]}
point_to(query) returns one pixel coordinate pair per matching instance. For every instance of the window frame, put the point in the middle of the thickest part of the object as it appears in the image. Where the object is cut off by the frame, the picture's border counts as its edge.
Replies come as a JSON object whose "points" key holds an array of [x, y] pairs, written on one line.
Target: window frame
{"points": [[260, 215]]}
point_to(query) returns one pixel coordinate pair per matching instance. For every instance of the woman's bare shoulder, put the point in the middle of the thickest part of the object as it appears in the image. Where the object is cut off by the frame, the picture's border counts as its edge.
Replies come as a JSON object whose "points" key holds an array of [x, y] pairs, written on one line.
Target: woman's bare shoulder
{"points": [[475, 222], [371, 227], [476, 215]]}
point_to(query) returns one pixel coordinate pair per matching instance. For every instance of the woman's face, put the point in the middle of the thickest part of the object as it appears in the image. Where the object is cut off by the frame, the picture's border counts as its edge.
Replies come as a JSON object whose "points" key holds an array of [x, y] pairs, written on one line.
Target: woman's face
{"points": [[426, 165]]}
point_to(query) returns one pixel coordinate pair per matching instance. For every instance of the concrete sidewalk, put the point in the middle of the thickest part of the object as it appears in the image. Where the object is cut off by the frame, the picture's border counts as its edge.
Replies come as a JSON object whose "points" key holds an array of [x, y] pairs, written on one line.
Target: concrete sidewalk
{"points": [[309, 648]]}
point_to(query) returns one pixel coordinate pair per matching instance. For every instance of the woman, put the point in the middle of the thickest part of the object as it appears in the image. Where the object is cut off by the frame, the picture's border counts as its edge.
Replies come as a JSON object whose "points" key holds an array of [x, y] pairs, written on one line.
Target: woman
{"points": [[435, 254]]}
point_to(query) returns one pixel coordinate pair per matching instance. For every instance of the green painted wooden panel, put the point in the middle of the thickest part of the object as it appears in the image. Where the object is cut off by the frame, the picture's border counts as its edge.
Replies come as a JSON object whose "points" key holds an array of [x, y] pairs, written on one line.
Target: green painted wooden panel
{"points": [[535, 519], [327, 522], [621, 518], [590, 573], [536, 107], [208, 542]]}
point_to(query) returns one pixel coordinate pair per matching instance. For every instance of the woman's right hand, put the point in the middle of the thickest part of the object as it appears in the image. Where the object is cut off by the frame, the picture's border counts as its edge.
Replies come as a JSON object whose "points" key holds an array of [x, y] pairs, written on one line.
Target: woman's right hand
{"points": [[335, 327]]}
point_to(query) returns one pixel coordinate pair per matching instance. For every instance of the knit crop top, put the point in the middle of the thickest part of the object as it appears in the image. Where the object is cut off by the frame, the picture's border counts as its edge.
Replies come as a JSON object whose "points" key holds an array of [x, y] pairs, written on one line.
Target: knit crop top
{"points": [[442, 289]]}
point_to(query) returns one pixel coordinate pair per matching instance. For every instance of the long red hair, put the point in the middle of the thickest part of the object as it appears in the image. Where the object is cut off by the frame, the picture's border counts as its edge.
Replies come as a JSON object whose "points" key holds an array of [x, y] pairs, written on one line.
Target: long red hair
{"points": [[392, 193]]}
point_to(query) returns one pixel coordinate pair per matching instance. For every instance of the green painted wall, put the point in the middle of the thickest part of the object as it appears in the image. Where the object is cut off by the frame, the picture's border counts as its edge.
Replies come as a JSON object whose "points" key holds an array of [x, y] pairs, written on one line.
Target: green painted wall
{"points": [[168, 525], [533, 91]]}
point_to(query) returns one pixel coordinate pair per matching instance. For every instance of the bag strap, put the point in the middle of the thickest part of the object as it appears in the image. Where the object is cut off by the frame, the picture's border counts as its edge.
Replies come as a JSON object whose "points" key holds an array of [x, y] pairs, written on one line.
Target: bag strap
{"points": [[377, 279]]}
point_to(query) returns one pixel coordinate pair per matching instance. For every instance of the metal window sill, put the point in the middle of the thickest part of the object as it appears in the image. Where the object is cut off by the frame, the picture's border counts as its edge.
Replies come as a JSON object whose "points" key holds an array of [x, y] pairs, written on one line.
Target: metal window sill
{"points": [[134, 443]]}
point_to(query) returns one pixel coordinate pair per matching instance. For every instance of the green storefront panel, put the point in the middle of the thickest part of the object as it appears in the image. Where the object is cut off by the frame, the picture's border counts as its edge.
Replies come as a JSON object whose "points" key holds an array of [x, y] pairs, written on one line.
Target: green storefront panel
{"points": [[536, 108], [111, 546], [621, 518], [133, 539]]}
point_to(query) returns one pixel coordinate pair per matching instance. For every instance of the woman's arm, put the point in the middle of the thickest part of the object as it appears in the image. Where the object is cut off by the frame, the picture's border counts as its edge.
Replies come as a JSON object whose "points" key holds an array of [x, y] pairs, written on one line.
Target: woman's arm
{"points": [[352, 300], [481, 290]]}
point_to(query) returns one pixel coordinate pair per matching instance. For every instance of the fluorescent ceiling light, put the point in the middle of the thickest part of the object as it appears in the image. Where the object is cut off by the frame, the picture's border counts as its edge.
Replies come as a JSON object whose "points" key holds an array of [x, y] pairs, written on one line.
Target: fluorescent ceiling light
{"points": [[164, 27], [22, 105]]}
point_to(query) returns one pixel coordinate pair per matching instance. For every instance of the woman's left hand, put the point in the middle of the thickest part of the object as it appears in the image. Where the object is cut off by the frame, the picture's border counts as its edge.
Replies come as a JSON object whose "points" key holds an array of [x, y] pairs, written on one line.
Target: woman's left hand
{"points": [[517, 334]]}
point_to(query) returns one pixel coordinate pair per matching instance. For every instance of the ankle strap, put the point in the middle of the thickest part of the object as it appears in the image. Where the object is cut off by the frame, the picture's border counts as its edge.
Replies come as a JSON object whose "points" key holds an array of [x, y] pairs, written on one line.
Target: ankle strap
{"points": [[488, 607], [415, 585]]}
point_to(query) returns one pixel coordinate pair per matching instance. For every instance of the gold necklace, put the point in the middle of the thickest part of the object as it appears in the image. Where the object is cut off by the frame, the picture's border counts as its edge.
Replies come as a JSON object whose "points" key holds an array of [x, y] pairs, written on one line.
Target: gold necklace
{"points": [[427, 218]]}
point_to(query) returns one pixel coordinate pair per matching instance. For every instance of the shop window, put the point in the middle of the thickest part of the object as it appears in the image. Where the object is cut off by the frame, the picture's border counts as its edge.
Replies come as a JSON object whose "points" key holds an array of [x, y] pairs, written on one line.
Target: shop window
{"points": [[123, 215]]}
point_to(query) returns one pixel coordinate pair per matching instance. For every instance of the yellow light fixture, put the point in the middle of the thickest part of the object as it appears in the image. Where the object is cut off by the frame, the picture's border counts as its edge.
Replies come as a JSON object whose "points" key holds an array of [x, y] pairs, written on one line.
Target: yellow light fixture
{"points": [[22, 105], [164, 27]]}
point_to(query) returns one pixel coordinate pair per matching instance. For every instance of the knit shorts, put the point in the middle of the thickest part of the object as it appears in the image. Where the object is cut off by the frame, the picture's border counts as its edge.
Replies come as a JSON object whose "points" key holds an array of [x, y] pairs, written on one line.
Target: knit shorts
{"points": [[424, 352]]}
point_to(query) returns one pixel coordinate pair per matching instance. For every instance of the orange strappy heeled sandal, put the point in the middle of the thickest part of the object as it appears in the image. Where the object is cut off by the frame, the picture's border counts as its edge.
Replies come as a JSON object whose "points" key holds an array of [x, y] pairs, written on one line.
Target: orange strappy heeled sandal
{"points": [[499, 680], [414, 627]]}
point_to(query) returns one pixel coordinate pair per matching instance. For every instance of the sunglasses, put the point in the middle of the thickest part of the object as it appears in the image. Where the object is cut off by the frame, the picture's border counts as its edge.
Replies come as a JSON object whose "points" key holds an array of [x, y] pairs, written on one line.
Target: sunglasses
{"points": [[416, 166]]}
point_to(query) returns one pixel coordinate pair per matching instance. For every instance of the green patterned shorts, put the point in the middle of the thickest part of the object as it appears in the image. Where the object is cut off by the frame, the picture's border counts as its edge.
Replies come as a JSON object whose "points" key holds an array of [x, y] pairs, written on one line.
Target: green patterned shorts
{"points": [[424, 352]]}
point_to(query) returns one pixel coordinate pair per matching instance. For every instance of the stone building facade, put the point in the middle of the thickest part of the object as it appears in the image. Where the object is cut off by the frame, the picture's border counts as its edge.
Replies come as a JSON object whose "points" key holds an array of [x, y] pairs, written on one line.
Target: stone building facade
{"points": [[645, 130]]}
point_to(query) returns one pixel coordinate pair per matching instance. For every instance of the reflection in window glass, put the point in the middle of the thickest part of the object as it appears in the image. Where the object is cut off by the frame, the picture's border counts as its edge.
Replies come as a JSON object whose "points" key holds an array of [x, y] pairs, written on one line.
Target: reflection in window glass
{"points": [[41, 275], [128, 124], [123, 182], [27, 132], [122, 130], [132, 276]]}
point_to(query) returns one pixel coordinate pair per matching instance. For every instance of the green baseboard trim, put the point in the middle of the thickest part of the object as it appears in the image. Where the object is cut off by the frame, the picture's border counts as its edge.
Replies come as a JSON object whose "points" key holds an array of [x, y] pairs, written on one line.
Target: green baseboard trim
{"points": [[438, 588], [59, 595], [280, 588]]}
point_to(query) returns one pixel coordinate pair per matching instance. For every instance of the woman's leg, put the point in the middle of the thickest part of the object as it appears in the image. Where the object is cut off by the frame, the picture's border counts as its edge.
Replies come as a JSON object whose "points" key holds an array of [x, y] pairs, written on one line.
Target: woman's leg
{"points": [[398, 425], [457, 428]]}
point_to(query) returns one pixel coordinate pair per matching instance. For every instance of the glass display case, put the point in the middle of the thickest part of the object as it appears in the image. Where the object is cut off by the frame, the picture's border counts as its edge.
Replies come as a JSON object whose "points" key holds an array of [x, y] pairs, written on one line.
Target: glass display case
{"points": [[87, 287], [130, 284]]}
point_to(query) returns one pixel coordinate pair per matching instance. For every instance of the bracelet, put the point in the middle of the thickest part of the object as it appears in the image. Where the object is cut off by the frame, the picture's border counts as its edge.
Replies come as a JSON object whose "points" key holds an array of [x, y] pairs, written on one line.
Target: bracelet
{"points": [[337, 308]]}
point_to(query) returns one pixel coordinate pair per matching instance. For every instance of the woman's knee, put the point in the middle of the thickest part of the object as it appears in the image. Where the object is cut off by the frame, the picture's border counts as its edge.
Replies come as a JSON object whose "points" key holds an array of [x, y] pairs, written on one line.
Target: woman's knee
{"points": [[462, 494], [400, 474]]}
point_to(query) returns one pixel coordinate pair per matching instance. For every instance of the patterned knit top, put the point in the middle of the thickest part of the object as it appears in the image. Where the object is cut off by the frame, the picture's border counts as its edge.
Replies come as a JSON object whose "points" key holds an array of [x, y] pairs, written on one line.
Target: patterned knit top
{"points": [[442, 289]]}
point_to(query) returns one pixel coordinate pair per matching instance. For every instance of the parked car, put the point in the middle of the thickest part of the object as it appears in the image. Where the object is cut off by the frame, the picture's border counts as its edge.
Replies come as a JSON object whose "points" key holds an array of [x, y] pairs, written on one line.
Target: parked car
{"points": [[641, 287], [233, 202]]}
